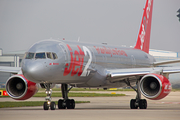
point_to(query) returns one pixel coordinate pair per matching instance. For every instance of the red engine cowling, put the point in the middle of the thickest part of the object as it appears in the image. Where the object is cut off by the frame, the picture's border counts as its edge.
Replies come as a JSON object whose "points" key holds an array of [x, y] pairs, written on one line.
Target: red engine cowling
{"points": [[19, 88], [154, 86]]}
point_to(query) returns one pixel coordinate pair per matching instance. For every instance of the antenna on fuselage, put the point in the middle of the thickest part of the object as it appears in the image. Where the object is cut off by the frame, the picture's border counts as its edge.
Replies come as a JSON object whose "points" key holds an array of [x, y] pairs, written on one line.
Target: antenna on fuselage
{"points": [[78, 39]]}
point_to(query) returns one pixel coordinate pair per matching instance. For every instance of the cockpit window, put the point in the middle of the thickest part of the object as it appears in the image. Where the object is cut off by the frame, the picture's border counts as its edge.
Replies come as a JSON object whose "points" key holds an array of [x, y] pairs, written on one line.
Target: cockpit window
{"points": [[40, 56], [54, 56], [29, 55], [49, 55]]}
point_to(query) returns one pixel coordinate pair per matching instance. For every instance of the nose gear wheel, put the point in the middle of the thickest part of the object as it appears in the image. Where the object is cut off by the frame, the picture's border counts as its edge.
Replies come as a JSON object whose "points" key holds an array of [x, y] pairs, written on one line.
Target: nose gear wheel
{"points": [[48, 104]]}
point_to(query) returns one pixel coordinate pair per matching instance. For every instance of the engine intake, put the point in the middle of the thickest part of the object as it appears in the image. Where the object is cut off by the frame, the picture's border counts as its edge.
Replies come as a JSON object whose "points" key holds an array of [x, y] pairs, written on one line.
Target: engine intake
{"points": [[154, 86], [19, 88]]}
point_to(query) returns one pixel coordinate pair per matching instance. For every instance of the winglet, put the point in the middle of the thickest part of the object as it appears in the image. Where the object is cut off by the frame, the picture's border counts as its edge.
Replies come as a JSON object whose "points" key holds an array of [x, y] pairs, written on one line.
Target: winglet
{"points": [[143, 40]]}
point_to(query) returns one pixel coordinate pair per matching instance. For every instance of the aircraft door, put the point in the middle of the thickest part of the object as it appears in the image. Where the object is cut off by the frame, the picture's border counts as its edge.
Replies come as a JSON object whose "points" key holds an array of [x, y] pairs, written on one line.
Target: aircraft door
{"points": [[93, 63], [64, 51]]}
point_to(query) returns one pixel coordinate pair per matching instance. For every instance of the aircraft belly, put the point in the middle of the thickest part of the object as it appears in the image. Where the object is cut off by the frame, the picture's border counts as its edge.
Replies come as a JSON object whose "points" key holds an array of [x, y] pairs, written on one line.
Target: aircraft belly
{"points": [[103, 83]]}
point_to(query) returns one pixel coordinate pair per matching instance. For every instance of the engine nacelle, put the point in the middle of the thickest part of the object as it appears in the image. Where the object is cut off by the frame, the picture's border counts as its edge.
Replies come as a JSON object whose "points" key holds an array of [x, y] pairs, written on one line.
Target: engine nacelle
{"points": [[19, 88], [155, 86]]}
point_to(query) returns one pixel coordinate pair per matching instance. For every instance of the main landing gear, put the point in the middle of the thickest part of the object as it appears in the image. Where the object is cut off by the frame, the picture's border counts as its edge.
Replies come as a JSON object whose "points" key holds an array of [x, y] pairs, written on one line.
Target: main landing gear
{"points": [[62, 103], [137, 102], [65, 102]]}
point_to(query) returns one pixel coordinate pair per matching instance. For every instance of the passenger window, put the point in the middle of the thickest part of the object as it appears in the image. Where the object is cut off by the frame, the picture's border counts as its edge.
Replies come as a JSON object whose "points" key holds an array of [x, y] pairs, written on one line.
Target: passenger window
{"points": [[54, 56], [40, 56], [29, 56], [49, 55]]}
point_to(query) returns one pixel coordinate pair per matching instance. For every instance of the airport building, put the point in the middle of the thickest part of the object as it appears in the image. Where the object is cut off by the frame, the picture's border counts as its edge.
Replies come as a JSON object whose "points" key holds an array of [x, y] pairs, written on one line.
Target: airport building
{"points": [[11, 59], [14, 59], [161, 55]]}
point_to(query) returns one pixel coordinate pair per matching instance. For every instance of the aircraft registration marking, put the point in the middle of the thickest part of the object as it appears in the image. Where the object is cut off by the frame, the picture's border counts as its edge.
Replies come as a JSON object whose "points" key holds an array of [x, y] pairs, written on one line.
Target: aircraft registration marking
{"points": [[53, 63]]}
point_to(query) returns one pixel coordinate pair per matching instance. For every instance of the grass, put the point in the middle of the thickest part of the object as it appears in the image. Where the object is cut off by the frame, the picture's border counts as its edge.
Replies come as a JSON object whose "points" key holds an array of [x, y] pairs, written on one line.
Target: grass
{"points": [[42, 94], [58, 94], [88, 89], [82, 89], [174, 90], [29, 103], [2, 88]]}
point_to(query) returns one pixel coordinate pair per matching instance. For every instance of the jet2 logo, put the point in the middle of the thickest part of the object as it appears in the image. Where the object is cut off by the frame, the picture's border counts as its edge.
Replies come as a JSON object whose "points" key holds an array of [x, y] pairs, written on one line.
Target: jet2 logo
{"points": [[77, 61], [167, 88]]}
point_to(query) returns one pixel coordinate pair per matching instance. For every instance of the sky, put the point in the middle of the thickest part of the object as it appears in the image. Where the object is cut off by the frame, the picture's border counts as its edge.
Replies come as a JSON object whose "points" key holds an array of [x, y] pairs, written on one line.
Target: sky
{"points": [[116, 22]]}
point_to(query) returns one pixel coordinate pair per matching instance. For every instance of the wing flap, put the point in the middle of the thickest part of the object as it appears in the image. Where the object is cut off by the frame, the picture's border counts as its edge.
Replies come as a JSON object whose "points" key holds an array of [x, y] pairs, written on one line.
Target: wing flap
{"points": [[127, 72]]}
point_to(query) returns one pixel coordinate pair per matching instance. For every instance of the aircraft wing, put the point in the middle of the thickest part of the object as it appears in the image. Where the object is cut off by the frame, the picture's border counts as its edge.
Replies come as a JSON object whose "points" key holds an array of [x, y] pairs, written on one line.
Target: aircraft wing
{"points": [[13, 70], [121, 74], [166, 62]]}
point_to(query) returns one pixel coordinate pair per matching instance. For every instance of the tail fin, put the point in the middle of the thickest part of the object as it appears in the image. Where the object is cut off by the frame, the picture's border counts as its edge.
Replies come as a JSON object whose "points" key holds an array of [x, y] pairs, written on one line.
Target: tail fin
{"points": [[143, 40]]}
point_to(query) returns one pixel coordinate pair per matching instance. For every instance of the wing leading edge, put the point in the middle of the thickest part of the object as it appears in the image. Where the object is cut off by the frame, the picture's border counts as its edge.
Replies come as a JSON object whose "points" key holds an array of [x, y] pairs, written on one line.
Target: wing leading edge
{"points": [[121, 74], [13, 70], [165, 62]]}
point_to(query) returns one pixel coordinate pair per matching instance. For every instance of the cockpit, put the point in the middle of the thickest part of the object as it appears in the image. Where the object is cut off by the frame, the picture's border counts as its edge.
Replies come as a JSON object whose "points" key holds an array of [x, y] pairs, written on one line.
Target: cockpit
{"points": [[41, 55]]}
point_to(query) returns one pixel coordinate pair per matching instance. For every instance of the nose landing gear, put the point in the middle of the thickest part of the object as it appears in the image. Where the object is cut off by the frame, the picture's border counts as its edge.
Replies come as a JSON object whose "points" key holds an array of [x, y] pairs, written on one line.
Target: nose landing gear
{"points": [[62, 103], [48, 104]]}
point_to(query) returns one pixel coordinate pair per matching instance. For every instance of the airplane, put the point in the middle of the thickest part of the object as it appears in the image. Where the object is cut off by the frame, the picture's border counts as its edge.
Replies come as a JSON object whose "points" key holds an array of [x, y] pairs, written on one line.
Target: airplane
{"points": [[79, 64]]}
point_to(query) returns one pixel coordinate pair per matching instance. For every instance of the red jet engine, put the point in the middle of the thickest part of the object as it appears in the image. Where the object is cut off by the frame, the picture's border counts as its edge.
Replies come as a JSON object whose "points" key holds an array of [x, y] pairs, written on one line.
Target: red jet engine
{"points": [[19, 88], [155, 86]]}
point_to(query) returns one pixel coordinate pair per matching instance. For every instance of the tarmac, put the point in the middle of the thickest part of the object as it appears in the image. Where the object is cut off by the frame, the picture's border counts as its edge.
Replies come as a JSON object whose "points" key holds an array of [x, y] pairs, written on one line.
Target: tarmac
{"points": [[105, 108]]}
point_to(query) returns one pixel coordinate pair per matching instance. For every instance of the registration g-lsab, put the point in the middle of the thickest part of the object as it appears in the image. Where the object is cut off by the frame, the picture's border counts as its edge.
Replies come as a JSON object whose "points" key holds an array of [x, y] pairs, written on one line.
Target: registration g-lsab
{"points": [[91, 65]]}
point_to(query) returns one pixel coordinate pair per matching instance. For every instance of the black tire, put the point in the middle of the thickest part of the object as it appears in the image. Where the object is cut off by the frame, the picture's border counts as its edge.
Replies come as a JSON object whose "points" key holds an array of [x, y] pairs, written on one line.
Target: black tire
{"points": [[53, 105], [60, 104], [46, 106], [68, 104], [132, 104], [72, 104], [143, 104]]}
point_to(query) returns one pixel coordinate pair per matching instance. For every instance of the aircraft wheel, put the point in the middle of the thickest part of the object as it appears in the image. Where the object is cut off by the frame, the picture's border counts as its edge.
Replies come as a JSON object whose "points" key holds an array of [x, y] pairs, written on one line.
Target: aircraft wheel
{"points": [[60, 104], [143, 104], [53, 105], [46, 106], [70, 103], [133, 104]]}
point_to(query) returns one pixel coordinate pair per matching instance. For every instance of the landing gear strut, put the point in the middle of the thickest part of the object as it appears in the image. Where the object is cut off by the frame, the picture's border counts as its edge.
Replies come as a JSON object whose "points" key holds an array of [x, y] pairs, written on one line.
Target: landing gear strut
{"points": [[138, 102], [48, 104], [65, 102]]}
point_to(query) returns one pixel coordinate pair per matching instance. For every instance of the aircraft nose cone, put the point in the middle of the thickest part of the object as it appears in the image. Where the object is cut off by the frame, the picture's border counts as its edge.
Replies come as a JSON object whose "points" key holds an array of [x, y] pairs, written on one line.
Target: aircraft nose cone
{"points": [[33, 70]]}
